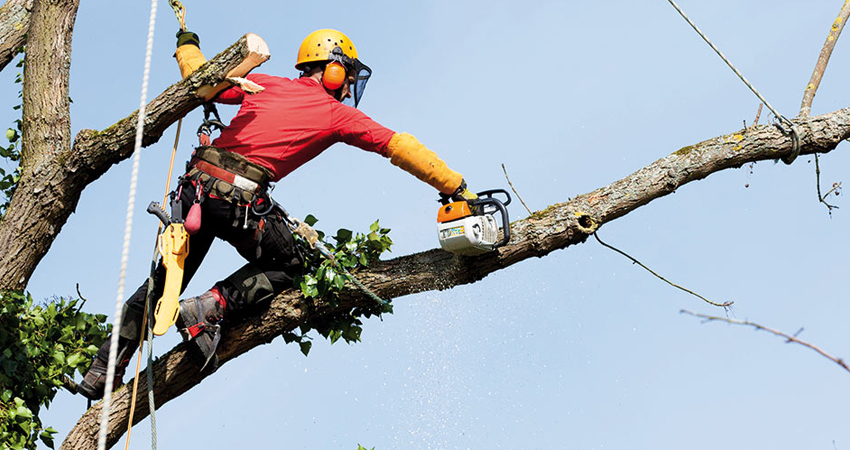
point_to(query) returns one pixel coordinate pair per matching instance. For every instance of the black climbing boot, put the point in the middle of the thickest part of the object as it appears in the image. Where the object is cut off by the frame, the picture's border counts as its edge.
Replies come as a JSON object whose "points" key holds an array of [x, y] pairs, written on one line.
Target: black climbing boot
{"points": [[94, 382], [198, 322]]}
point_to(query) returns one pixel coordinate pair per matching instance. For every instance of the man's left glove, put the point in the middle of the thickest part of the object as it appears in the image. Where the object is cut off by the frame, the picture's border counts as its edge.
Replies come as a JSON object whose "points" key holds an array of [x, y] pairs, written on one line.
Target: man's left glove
{"points": [[188, 38], [188, 54]]}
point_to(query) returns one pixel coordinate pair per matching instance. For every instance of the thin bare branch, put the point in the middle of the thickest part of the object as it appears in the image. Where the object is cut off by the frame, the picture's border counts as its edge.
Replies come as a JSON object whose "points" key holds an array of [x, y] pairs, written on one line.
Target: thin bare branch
{"points": [[723, 305], [788, 337], [758, 114], [835, 186], [514, 189], [823, 60]]}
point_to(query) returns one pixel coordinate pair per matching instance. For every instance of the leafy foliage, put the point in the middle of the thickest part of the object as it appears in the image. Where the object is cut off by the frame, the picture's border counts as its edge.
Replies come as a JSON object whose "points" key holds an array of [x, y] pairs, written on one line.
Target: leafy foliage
{"points": [[12, 153], [325, 279], [40, 344]]}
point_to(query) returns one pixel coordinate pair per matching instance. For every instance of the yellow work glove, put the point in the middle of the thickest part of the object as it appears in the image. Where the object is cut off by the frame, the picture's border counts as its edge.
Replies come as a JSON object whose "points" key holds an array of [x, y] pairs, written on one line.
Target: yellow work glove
{"points": [[406, 152], [462, 193], [188, 54]]}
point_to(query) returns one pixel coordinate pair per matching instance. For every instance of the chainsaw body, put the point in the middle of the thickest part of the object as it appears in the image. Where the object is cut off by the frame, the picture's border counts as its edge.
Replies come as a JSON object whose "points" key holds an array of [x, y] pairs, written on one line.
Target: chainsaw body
{"points": [[470, 227]]}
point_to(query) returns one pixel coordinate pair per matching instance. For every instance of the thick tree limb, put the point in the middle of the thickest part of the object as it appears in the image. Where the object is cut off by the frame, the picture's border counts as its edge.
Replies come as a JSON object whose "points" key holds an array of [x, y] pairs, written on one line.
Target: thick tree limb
{"points": [[557, 227], [823, 60], [52, 182], [14, 24]]}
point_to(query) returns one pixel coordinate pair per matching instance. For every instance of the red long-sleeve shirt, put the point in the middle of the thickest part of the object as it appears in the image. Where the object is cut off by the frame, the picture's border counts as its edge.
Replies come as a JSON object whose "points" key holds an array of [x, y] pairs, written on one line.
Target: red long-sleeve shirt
{"points": [[292, 121]]}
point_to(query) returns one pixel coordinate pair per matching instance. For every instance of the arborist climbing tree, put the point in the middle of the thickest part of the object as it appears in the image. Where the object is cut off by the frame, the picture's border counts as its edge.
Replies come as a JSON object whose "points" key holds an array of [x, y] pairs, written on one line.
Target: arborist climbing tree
{"points": [[225, 192]]}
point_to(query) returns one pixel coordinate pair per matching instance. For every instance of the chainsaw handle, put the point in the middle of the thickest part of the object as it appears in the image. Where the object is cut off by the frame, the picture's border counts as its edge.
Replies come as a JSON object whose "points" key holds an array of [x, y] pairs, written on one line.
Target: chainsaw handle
{"points": [[156, 209], [492, 201], [489, 194]]}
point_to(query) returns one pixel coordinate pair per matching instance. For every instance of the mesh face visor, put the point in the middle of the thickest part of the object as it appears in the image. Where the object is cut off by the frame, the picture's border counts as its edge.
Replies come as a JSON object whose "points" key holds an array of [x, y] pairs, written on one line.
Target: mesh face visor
{"points": [[362, 72]]}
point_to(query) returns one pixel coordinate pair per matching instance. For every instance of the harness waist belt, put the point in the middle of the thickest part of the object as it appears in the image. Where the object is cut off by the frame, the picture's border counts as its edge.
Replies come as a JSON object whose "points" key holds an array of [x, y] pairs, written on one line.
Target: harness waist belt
{"points": [[232, 178]]}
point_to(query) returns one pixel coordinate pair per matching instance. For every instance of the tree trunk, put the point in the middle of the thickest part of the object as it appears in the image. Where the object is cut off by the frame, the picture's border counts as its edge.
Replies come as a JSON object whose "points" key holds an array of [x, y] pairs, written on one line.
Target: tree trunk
{"points": [[45, 132], [54, 175], [14, 24], [557, 227]]}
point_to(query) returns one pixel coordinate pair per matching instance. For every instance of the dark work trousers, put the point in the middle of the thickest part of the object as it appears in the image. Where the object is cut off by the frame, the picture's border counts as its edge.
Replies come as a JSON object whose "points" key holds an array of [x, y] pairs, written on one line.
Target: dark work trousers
{"points": [[271, 252]]}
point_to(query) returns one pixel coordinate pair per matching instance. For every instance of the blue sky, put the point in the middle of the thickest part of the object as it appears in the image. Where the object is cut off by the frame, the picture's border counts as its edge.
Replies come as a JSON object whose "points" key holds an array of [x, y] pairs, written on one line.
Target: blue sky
{"points": [[577, 350]]}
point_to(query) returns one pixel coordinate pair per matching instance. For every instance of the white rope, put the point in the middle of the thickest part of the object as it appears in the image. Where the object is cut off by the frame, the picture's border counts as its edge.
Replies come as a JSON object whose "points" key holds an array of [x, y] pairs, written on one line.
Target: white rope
{"points": [[128, 225]]}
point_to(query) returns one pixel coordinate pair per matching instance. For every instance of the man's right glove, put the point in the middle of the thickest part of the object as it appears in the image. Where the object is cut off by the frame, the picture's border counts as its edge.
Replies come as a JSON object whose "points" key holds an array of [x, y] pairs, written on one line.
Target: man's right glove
{"points": [[188, 54], [462, 193], [407, 152]]}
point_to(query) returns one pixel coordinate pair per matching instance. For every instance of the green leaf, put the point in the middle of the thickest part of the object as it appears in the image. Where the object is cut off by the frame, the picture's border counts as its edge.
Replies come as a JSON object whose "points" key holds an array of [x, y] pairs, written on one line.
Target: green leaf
{"points": [[335, 335], [305, 347], [343, 235], [6, 396], [290, 337], [374, 227], [75, 359], [23, 412], [310, 220], [339, 282], [59, 358]]}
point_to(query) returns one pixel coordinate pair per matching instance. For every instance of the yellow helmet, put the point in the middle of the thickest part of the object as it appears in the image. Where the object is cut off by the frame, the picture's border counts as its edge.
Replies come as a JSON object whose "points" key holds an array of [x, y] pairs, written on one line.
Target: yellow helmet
{"points": [[324, 46], [320, 44]]}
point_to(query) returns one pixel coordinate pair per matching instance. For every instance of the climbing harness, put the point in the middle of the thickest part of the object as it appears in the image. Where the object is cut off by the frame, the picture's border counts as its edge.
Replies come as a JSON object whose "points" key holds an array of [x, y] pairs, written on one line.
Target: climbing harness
{"points": [[209, 125], [780, 121]]}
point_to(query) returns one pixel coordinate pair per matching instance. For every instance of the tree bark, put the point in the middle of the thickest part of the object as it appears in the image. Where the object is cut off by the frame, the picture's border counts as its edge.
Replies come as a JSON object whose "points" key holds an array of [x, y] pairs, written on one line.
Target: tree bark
{"points": [[45, 125], [14, 24], [54, 173], [557, 227]]}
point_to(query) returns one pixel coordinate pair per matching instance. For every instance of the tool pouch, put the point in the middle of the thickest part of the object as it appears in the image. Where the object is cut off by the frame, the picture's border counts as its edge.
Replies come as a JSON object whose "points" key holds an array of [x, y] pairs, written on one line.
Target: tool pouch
{"points": [[234, 163]]}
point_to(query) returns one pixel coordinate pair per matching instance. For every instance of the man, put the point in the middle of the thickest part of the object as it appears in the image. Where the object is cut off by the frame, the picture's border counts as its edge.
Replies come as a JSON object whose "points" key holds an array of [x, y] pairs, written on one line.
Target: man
{"points": [[275, 131]]}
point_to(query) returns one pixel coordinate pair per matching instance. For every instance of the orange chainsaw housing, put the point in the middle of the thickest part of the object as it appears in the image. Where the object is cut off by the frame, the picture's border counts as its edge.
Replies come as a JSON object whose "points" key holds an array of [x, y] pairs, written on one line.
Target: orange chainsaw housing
{"points": [[453, 211]]}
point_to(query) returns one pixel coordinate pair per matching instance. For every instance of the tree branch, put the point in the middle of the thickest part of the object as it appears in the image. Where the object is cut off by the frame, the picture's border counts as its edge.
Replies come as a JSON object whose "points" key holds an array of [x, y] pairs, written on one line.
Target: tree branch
{"points": [[557, 227], [50, 189], [14, 24], [788, 337], [823, 60]]}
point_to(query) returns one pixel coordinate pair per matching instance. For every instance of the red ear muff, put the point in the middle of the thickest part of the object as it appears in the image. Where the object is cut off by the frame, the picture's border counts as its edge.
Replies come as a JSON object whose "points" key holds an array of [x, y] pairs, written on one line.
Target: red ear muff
{"points": [[334, 76]]}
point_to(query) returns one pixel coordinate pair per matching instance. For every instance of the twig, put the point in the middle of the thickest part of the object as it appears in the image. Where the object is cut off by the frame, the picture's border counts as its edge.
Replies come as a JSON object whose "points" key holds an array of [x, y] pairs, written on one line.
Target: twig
{"points": [[724, 305], [79, 308], [817, 76], [788, 338], [758, 115], [835, 186], [823, 60], [513, 189]]}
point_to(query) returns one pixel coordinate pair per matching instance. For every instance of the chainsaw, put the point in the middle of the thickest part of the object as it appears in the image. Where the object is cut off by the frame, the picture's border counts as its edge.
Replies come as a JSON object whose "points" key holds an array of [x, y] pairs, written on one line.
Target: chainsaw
{"points": [[469, 227]]}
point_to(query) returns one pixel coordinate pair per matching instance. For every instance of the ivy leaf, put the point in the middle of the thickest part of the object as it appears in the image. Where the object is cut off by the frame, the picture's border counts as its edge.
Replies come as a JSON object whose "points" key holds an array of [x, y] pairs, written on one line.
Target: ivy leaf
{"points": [[343, 235], [305, 347], [22, 412], [75, 359]]}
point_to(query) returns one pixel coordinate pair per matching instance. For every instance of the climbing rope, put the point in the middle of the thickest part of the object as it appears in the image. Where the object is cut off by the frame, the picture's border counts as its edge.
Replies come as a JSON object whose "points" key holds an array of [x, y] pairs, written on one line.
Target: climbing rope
{"points": [[781, 120], [128, 225], [180, 12], [147, 319]]}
